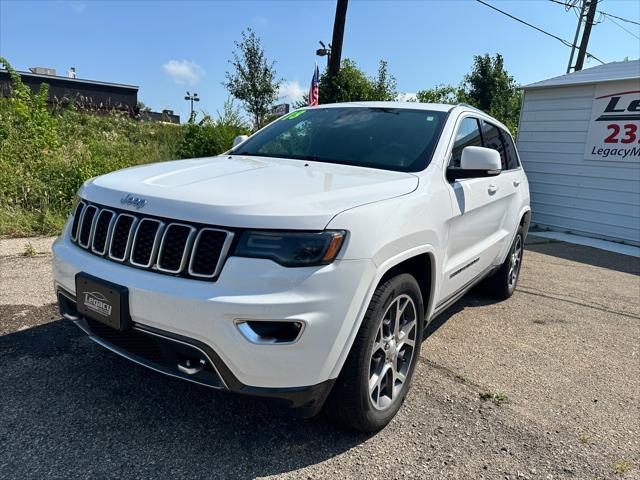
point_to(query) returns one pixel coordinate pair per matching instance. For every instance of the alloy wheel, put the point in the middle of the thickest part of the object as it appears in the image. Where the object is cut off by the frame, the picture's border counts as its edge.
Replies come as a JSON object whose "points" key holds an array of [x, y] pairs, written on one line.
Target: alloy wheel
{"points": [[392, 352], [515, 262]]}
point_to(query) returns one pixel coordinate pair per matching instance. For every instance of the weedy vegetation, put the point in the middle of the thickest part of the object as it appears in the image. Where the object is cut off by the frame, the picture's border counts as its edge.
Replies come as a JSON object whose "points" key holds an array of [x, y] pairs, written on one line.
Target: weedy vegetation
{"points": [[622, 467], [47, 152], [29, 250], [495, 397]]}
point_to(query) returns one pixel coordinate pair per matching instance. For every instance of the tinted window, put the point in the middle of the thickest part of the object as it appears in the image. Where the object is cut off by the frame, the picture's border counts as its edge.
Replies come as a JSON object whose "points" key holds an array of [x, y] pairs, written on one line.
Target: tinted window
{"points": [[468, 134], [510, 151], [388, 138], [493, 139]]}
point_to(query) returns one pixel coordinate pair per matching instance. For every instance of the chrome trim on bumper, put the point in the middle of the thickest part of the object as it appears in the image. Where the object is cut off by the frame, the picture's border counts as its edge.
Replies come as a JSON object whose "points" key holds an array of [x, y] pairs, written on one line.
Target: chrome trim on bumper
{"points": [[123, 353]]}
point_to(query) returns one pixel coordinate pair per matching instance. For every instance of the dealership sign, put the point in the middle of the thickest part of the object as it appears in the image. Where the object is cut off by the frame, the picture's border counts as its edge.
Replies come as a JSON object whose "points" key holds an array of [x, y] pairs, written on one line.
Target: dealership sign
{"points": [[614, 129]]}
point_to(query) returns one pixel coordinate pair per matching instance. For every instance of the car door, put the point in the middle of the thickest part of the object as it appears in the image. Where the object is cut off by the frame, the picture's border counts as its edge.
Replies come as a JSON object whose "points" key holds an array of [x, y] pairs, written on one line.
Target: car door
{"points": [[508, 182], [479, 206], [514, 181]]}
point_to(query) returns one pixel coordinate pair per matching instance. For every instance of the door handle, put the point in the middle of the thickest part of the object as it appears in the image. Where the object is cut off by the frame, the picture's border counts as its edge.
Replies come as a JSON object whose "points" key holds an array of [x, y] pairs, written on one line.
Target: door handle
{"points": [[492, 189], [516, 183]]}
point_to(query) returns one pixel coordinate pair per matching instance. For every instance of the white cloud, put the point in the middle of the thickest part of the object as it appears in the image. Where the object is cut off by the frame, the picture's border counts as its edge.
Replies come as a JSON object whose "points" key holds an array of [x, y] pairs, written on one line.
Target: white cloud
{"points": [[184, 71], [406, 97], [291, 92]]}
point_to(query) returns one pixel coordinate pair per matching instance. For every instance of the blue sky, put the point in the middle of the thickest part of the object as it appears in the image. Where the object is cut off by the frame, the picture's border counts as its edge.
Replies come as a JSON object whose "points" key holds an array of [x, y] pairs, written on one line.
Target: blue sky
{"points": [[168, 47]]}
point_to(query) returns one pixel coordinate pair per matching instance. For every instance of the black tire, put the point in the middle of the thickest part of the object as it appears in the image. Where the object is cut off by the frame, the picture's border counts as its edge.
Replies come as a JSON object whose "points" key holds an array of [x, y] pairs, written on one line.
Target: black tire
{"points": [[502, 284], [351, 402]]}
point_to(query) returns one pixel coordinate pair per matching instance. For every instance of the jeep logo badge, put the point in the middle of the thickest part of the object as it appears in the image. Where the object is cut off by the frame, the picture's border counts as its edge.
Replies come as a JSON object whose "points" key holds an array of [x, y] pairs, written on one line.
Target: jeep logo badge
{"points": [[132, 201]]}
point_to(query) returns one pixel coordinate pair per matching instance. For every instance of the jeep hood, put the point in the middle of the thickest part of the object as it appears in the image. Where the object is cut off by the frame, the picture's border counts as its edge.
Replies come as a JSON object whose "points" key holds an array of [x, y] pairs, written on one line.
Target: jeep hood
{"points": [[250, 192]]}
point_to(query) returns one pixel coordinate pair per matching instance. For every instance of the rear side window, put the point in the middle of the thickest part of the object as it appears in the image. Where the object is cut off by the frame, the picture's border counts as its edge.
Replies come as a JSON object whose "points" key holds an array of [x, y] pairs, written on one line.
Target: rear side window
{"points": [[509, 150], [468, 134], [493, 139]]}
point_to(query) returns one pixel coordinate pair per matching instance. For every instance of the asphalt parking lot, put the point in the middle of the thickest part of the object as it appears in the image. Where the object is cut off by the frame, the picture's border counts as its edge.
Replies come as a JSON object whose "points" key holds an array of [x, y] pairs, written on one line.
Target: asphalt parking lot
{"points": [[544, 385]]}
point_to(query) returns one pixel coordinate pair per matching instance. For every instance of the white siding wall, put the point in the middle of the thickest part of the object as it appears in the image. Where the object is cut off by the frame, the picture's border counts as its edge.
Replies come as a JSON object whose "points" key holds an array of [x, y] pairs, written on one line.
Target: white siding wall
{"points": [[569, 193]]}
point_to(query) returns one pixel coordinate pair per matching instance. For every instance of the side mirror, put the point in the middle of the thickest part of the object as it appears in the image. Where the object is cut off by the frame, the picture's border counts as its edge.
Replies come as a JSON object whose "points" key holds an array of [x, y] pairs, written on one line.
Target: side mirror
{"points": [[476, 162], [238, 140]]}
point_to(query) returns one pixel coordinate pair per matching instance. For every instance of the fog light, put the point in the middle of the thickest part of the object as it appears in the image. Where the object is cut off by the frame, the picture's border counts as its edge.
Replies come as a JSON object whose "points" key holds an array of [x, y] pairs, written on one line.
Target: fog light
{"points": [[270, 332]]}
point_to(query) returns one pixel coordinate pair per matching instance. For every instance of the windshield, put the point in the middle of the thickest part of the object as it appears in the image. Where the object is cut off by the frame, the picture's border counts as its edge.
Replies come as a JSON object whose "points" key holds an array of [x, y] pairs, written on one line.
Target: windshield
{"points": [[388, 138]]}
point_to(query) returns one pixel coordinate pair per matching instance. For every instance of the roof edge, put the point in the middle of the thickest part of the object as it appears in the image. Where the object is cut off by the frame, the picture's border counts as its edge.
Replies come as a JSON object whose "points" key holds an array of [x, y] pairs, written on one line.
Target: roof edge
{"points": [[78, 80]]}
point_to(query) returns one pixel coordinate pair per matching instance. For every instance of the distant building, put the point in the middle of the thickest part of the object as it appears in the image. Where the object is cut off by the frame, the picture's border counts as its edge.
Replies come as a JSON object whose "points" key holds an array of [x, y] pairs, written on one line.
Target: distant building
{"points": [[165, 116], [579, 141], [86, 94]]}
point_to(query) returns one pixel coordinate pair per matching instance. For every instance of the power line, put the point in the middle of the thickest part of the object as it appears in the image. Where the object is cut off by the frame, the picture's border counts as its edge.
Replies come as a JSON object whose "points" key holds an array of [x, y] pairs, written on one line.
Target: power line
{"points": [[562, 40], [572, 5], [567, 5], [628, 31], [619, 18]]}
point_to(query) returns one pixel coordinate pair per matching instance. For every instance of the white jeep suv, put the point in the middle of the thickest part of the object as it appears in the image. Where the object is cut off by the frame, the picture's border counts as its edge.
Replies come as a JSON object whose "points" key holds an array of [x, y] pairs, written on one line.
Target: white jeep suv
{"points": [[305, 263]]}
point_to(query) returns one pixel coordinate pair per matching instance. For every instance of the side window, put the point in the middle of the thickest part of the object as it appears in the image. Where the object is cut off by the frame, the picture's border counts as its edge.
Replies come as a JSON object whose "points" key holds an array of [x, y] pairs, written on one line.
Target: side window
{"points": [[468, 134], [510, 151], [493, 139]]}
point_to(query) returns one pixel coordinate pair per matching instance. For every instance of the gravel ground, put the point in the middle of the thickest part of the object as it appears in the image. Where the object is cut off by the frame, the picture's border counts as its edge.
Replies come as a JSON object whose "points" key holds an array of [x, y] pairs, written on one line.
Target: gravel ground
{"points": [[544, 385]]}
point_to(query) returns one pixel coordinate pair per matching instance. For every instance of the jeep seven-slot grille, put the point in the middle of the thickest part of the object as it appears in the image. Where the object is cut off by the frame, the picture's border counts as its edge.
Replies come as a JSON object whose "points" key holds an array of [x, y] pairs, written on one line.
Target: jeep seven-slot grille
{"points": [[161, 245]]}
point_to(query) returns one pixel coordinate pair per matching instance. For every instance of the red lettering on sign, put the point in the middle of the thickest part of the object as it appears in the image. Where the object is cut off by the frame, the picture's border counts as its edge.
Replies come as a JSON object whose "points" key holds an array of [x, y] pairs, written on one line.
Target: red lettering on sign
{"points": [[615, 130], [630, 133]]}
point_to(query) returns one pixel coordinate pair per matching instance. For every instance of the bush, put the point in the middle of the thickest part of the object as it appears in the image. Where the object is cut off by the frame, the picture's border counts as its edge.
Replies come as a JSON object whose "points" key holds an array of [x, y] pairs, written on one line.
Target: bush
{"points": [[45, 156]]}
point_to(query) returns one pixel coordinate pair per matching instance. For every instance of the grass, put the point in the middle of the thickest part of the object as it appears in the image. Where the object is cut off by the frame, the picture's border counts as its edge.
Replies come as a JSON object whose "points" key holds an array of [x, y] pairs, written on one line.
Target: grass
{"points": [[622, 467], [495, 397], [29, 250]]}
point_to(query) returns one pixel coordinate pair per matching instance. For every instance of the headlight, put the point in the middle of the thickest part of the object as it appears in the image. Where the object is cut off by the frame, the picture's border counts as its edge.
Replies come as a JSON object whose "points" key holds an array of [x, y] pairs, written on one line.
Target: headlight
{"points": [[292, 249]]}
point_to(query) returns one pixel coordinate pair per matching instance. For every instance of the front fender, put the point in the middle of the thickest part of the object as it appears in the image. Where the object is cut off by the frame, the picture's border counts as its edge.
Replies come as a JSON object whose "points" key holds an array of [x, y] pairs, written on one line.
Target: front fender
{"points": [[390, 232]]}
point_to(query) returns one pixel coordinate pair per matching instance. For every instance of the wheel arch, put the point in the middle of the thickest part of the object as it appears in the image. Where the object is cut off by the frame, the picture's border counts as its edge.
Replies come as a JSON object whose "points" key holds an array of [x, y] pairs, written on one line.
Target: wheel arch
{"points": [[525, 221], [421, 268], [410, 261]]}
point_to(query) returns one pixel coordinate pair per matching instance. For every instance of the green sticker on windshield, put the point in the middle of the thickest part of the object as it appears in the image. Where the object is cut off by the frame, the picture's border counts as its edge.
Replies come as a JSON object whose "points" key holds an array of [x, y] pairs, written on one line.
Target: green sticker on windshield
{"points": [[294, 115]]}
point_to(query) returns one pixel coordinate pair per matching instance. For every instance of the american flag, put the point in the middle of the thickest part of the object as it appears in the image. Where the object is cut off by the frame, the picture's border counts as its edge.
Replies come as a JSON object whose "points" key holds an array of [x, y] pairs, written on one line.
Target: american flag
{"points": [[313, 91]]}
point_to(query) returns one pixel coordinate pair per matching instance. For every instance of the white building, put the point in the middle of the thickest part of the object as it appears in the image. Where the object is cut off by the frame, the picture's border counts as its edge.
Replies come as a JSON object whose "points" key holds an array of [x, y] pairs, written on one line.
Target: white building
{"points": [[579, 140]]}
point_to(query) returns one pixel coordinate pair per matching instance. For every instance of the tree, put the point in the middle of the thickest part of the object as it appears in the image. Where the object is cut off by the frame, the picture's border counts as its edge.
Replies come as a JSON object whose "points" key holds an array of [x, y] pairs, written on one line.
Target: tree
{"points": [[351, 84], [253, 78], [490, 88], [441, 94], [384, 85], [142, 107], [303, 102]]}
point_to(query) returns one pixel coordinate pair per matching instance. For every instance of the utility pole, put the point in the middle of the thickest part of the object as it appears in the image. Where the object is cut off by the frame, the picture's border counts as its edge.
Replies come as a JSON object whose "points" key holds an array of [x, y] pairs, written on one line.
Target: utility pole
{"points": [[338, 35], [574, 45], [582, 52]]}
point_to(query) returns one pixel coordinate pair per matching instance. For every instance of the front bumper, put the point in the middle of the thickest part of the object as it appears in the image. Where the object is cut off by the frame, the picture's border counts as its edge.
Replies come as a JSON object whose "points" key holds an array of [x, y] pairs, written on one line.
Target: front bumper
{"points": [[328, 299], [166, 353]]}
